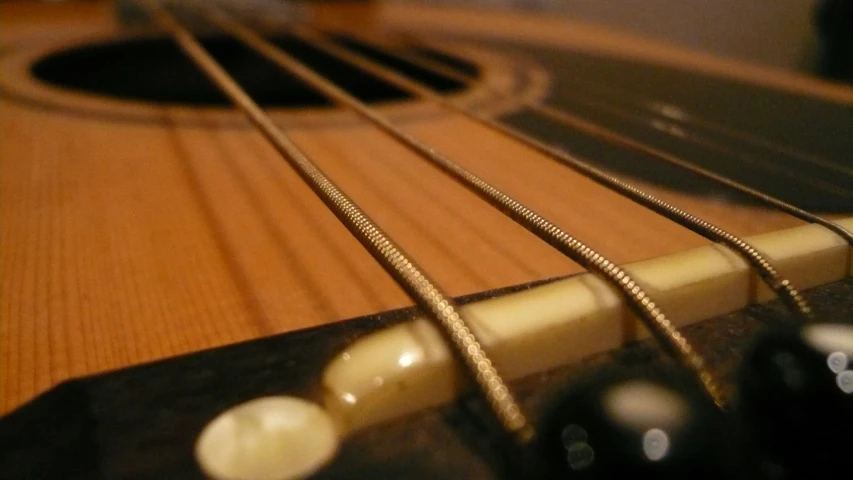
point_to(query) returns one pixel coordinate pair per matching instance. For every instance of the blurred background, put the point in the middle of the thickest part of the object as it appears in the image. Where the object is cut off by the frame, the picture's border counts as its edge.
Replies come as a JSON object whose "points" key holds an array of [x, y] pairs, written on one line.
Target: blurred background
{"points": [[814, 36]]}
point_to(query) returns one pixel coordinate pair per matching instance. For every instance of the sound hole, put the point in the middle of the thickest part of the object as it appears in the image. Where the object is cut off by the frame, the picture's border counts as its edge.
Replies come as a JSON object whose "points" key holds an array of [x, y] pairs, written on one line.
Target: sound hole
{"points": [[154, 70]]}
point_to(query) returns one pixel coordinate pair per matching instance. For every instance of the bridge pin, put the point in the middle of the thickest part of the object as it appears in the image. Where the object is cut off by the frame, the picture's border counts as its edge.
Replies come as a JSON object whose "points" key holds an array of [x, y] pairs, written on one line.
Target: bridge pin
{"points": [[657, 425], [796, 398], [280, 438]]}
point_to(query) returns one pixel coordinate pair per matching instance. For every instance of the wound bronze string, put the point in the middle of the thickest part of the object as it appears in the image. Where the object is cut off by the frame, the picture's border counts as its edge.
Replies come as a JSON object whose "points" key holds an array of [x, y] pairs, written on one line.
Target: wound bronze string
{"points": [[624, 141], [783, 287], [647, 310], [439, 307]]}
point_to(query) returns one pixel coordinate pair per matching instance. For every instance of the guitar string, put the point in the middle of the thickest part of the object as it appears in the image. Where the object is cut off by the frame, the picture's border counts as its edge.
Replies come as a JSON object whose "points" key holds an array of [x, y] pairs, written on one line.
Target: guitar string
{"points": [[439, 307], [758, 162], [671, 113], [629, 143], [652, 107], [671, 129], [649, 312], [781, 286]]}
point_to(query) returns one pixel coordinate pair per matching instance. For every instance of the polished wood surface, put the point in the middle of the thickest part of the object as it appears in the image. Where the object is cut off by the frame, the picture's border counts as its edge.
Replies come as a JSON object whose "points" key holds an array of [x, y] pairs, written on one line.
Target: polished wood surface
{"points": [[130, 241]]}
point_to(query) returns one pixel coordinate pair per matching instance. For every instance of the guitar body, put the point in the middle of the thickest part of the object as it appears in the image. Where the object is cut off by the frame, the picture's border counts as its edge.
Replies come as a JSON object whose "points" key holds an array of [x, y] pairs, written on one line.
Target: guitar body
{"points": [[142, 226]]}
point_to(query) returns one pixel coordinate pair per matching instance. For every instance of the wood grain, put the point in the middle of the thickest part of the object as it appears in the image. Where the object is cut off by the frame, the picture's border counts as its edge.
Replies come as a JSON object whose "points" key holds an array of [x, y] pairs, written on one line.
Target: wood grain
{"points": [[126, 242]]}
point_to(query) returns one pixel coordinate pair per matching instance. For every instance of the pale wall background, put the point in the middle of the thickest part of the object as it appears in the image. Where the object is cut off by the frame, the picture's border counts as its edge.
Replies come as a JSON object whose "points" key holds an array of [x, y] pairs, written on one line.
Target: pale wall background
{"points": [[779, 33]]}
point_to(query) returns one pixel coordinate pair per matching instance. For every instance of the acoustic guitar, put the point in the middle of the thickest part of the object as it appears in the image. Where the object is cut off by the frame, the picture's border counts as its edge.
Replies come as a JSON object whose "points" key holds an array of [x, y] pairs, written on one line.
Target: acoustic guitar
{"points": [[257, 240]]}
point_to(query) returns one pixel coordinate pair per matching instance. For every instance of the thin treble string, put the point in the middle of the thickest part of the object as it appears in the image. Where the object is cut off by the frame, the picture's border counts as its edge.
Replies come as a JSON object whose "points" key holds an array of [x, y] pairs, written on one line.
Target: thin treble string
{"points": [[783, 287], [679, 133], [676, 114], [586, 126], [617, 138], [439, 307], [650, 313]]}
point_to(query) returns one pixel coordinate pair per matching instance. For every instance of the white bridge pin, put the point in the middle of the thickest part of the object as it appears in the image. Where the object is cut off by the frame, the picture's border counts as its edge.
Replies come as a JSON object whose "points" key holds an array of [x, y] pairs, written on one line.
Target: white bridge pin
{"points": [[269, 438]]}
